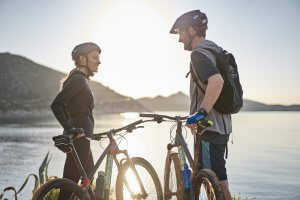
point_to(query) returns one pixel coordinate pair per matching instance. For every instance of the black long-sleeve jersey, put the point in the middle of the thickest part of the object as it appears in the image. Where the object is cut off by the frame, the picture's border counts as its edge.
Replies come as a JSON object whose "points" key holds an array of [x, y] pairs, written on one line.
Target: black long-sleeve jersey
{"points": [[73, 106]]}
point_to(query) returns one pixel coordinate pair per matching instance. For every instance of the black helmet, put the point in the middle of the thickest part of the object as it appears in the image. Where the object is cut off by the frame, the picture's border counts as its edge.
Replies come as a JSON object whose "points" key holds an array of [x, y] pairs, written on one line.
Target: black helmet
{"points": [[194, 17], [84, 48]]}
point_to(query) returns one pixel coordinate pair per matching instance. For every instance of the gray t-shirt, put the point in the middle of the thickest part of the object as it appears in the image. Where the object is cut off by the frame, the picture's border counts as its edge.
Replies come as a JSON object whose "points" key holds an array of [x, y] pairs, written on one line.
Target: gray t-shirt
{"points": [[206, 70]]}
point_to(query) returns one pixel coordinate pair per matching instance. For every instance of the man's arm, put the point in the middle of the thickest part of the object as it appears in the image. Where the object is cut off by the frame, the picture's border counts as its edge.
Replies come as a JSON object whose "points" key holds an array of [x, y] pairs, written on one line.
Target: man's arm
{"points": [[208, 74], [213, 90]]}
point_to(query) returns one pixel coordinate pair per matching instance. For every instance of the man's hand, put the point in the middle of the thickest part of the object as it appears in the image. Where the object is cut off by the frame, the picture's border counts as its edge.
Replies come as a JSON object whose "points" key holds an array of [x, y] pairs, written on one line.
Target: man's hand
{"points": [[75, 132], [195, 118]]}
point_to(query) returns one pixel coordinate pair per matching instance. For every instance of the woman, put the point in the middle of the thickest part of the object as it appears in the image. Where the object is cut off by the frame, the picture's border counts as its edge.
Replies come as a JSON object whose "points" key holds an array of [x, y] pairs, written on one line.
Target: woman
{"points": [[73, 107]]}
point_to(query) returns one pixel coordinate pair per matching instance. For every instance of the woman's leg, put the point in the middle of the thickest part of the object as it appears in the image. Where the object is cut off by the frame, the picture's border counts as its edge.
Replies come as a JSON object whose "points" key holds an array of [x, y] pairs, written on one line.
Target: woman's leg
{"points": [[82, 146]]}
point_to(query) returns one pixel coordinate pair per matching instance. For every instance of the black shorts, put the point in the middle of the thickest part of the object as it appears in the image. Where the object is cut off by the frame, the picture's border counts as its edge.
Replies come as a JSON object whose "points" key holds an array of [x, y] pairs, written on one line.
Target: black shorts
{"points": [[211, 156]]}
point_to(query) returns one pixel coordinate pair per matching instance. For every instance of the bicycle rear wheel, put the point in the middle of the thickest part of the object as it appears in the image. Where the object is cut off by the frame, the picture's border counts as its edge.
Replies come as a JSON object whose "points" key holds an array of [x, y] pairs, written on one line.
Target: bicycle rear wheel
{"points": [[50, 190], [149, 179], [173, 180], [206, 186]]}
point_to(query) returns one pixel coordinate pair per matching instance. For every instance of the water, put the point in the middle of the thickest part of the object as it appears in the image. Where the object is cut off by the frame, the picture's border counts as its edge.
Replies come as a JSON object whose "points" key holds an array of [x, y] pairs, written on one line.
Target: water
{"points": [[263, 162]]}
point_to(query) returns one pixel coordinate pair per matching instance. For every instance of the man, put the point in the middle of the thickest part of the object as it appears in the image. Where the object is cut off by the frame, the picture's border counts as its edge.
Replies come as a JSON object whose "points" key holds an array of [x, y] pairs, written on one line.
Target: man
{"points": [[191, 28]]}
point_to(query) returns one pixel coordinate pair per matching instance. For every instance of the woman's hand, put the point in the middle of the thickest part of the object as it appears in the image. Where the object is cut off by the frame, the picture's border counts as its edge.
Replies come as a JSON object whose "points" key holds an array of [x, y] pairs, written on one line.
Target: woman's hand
{"points": [[75, 132], [80, 135]]}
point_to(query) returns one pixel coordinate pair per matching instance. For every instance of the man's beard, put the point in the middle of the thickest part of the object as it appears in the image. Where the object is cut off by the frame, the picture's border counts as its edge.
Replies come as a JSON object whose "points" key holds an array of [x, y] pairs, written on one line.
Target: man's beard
{"points": [[188, 44]]}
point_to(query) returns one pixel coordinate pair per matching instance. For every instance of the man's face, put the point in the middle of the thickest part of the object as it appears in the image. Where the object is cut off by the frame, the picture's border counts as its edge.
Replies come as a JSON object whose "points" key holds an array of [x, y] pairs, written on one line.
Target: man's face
{"points": [[185, 38]]}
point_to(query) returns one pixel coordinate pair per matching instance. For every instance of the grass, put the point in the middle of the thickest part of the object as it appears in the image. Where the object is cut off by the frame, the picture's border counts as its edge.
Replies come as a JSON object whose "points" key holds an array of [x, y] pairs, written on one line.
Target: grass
{"points": [[241, 198], [53, 195]]}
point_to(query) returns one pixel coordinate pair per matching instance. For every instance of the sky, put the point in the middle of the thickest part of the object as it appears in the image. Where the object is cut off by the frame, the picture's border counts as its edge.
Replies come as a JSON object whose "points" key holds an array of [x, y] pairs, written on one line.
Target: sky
{"points": [[140, 58]]}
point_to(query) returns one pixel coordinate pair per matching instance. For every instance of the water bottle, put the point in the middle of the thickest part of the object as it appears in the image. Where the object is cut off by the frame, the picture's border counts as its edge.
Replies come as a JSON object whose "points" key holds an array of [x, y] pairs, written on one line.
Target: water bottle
{"points": [[99, 193], [187, 177]]}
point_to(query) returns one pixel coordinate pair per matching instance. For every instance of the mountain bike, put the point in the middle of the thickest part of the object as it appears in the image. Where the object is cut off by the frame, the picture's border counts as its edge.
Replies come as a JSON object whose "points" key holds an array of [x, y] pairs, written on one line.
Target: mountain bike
{"points": [[179, 182], [136, 178]]}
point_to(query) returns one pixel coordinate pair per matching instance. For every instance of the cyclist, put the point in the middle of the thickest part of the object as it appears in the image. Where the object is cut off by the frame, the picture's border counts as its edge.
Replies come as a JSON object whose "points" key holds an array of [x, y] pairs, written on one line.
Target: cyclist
{"points": [[73, 108], [191, 28]]}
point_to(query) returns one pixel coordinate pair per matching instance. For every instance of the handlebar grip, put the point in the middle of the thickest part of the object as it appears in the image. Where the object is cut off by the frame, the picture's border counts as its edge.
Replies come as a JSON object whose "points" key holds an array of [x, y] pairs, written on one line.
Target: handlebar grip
{"points": [[206, 123], [135, 123], [132, 125], [147, 115]]}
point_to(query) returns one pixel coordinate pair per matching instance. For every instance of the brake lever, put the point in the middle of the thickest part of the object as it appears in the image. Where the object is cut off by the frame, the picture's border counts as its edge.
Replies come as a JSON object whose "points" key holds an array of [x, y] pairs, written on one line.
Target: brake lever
{"points": [[130, 129]]}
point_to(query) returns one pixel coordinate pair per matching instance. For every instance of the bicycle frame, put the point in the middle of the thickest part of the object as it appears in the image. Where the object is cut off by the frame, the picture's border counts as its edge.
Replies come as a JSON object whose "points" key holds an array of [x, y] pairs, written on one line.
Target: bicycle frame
{"points": [[183, 152], [182, 146], [110, 151], [183, 149]]}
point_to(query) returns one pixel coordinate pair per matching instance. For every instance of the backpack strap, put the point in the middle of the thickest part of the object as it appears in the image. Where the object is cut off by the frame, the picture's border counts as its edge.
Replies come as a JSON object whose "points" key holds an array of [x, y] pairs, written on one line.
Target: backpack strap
{"points": [[219, 58], [194, 77], [216, 54]]}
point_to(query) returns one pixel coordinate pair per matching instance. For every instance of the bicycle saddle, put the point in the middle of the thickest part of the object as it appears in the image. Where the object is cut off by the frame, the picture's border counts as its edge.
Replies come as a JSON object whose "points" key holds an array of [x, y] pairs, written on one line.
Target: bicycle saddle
{"points": [[62, 142]]}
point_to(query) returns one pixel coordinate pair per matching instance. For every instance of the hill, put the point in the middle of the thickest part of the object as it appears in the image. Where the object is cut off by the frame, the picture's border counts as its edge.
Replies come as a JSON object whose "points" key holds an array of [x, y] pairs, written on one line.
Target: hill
{"points": [[180, 102], [175, 102], [27, 87]]}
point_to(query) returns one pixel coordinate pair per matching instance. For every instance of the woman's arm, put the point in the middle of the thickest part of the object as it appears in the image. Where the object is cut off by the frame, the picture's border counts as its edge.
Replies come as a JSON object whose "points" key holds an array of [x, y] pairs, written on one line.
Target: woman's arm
{"points": [[72, 87]]}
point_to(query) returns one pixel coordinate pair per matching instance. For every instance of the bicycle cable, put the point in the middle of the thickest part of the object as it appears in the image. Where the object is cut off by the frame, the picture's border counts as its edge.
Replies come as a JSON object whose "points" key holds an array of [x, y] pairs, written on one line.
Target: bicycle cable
{"points": [[101, 141], [185, 131], [172, 138], [122, 137]]}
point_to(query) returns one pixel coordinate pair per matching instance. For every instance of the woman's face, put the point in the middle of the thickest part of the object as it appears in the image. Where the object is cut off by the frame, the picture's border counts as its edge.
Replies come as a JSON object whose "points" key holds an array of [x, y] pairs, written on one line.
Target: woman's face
{"points": [[93, 61]]}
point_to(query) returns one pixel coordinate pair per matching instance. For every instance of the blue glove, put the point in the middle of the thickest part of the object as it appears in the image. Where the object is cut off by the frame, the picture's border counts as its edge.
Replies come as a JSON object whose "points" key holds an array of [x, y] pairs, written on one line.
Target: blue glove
{"points": [[196, 117]]}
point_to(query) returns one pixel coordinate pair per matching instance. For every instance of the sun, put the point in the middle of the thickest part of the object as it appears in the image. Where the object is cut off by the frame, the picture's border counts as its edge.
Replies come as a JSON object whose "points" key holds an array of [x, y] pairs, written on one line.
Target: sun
{"points": [[134, 36]]}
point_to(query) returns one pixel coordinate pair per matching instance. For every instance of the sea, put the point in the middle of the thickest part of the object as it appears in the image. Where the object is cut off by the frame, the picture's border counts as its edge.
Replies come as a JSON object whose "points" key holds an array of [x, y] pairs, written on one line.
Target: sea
{"points": [[263, 160]]}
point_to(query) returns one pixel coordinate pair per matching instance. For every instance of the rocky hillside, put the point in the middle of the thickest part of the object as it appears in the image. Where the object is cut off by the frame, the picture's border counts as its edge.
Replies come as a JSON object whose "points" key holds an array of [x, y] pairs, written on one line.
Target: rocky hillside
{"points": [[256, 106], [180, 102], [28, 86], [175, 102]]}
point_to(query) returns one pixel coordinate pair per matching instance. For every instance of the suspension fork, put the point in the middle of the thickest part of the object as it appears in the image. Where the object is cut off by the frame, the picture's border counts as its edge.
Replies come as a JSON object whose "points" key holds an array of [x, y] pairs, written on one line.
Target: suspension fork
{"points": [[132, 167]]}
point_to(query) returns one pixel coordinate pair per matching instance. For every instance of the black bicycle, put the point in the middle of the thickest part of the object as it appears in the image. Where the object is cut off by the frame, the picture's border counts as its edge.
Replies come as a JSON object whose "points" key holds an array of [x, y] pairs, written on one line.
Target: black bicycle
{"points": [[179, 181], [136, 177]]}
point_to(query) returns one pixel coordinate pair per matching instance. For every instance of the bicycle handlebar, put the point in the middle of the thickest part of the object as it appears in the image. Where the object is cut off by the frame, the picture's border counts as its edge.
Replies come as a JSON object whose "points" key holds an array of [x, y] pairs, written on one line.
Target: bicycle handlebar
{"points": [[157, 117], [128, 128], [160, 118]]}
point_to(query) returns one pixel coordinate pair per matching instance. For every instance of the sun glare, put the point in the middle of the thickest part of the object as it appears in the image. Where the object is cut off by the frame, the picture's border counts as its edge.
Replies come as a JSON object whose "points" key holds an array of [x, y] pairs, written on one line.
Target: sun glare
{"points": [[130, 115], [136, 46], [134, 186]]}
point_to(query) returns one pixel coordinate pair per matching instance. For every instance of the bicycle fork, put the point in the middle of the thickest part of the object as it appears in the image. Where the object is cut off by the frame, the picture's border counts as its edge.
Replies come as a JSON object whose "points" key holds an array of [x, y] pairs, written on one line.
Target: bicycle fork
{"points": [[143, 194], [111, 157]]}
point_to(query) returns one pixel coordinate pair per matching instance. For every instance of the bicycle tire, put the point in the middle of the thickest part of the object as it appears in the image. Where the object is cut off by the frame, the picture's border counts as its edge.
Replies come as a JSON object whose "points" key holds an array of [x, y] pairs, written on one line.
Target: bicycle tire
{"points": [[173, 160], [207, 181], [140, 164], [45, 190]]}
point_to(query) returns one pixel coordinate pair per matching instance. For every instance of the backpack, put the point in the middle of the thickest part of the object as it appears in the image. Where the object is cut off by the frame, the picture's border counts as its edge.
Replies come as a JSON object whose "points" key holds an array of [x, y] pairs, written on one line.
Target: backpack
{"points": [[230, 100]]}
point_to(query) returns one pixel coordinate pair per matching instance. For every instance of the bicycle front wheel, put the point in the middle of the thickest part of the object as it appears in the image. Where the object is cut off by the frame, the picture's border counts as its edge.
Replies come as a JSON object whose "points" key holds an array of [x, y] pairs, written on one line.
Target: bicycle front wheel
{"points": [[51, 189], [128, 186], [206, 186], [173, 180]]}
